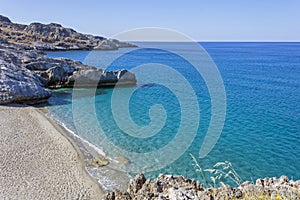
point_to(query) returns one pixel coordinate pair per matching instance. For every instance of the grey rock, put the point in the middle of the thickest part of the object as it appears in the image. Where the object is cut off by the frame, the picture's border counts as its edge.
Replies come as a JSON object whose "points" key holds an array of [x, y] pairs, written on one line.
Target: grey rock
{"points": [[100, 78], [25, 75], [56, 74], [182, 194], [4, 19], [50, 37], [18, 84], [137, 183], [110, 196]]}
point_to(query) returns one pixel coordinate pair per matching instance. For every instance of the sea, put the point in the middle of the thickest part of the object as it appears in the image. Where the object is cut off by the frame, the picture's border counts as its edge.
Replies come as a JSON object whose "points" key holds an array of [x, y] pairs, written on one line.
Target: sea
{"points": [[157, 126]]}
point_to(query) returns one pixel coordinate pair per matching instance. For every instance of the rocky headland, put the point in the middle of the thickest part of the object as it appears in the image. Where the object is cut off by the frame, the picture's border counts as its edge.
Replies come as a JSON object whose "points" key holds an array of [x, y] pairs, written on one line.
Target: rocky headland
{"points": [[26, 75], [47, 37]]}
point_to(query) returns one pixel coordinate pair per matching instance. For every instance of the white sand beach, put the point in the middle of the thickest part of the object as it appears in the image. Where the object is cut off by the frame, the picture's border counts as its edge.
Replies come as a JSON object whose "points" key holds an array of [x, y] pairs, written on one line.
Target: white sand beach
{"points": [[37, 161]]}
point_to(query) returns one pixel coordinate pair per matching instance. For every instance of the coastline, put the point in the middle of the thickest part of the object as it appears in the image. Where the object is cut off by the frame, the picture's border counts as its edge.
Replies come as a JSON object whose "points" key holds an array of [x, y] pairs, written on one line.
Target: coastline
{"points": [[39, 160], [24, 55], [108, 176]]}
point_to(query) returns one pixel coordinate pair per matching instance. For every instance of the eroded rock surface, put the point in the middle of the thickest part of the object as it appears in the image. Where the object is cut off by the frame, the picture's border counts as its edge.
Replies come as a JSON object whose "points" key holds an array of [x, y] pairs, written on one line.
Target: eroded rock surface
{"points": [[26, 74], [54, 37], [18, 84], [181, 188]]}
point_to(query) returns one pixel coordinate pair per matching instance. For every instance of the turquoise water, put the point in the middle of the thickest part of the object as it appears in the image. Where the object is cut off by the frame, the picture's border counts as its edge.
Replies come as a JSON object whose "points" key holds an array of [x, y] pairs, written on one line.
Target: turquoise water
{"points": [[261, 134]]}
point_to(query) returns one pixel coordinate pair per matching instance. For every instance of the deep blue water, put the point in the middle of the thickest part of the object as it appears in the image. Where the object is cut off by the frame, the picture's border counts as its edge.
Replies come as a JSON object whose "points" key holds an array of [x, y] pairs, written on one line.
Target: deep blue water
{"points": [[261, 134]]}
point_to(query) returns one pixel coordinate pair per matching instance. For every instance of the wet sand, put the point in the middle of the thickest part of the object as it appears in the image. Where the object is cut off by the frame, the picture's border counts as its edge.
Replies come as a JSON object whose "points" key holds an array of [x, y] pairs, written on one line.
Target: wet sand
{"points": [[37, 161]]}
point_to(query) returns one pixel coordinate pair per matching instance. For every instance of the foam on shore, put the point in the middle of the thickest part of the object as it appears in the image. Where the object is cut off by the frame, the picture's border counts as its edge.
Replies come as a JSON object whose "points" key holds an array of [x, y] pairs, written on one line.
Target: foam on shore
{"points": [[109, 177]]}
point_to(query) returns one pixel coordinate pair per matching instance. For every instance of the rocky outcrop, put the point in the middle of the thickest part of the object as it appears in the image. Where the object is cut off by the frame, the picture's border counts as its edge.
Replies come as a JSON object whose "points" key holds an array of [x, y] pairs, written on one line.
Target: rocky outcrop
{"points": [[100, 77], [18, 84], [63, 73], [25, 74], [53, 36], [181, 188], [4, 19]]}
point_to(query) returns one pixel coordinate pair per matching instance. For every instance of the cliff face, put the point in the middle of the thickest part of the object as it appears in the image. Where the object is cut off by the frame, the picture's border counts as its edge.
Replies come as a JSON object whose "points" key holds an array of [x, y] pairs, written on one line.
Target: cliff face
{"points": [[54, 37], [26, 74]]}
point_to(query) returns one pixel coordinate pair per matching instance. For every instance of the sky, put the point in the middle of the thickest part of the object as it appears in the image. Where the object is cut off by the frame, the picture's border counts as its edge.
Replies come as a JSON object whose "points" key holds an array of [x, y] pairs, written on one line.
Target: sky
{"points": [[202, 20]]}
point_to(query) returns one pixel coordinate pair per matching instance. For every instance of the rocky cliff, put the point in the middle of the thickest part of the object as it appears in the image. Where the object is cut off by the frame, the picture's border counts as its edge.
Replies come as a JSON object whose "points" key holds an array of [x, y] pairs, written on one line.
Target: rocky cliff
{"points": [[27, 75], [54, 37]]}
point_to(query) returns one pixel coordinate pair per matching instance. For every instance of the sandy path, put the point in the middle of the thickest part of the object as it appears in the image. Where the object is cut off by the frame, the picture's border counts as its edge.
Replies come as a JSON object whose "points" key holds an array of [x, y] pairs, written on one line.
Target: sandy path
{"points": [[37, 162]]}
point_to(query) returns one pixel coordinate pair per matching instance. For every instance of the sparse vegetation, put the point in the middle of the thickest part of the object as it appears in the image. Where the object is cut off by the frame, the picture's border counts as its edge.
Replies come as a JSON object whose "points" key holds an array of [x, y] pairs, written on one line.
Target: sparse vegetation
{"points": [[221, 171], [214, 180]]}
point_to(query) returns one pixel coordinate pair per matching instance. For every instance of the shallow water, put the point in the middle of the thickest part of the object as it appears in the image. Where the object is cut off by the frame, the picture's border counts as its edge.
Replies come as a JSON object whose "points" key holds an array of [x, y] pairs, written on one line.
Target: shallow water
{"points": [[261, 135]]}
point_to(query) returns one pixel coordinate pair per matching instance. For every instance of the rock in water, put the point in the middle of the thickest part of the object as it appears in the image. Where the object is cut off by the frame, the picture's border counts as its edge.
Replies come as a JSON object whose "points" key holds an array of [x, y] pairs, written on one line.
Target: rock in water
{"points": [[25, 75], [98, 162], [100, 78], [25, 72]]}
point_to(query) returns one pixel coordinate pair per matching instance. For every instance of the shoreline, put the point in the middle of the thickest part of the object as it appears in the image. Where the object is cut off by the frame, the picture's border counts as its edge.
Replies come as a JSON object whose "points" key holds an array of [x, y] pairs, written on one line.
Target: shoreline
{"points": [[109, 178], [109, 184], [63, 133], [39, 159]]}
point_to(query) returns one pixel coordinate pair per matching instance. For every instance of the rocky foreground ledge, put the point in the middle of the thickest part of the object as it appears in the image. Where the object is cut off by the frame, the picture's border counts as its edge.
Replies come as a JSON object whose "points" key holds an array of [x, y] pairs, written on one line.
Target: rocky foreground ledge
{"points": [[181, 188], [26, 75]]}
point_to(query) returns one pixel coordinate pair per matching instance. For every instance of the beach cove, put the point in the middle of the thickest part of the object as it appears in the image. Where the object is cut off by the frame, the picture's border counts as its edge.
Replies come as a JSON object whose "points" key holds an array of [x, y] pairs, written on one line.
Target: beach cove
{"points": [[49, 153], [40, 158]]}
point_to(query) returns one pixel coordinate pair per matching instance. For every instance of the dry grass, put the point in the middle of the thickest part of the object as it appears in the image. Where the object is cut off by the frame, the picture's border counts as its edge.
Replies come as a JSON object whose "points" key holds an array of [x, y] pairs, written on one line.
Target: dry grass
{"points": [[224, 171], [220, 172]]}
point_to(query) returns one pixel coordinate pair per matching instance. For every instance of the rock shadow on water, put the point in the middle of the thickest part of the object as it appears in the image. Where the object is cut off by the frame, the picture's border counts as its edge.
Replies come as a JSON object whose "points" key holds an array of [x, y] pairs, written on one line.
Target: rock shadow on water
{"points": [[64, 96]]}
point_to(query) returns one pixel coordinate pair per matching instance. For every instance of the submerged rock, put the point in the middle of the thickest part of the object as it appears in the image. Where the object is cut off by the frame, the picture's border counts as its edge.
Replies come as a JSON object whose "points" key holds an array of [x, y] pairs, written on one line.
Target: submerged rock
{"points": [[122, 160], [98, 162]]}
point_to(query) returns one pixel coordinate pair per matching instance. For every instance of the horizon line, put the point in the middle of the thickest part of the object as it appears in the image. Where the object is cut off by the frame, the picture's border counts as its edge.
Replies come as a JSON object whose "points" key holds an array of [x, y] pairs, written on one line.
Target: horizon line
{"points": [[246, 41]]}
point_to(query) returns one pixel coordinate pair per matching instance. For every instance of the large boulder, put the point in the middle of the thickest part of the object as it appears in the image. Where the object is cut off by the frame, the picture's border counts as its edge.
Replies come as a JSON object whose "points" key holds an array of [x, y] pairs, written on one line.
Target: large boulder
{"points": [[56, 74], [63, 72], [18, 84], [101, 78]]}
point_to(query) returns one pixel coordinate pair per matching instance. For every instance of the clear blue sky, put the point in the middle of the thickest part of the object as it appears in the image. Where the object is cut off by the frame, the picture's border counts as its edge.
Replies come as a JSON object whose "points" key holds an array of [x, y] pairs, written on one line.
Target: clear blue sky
{"points": [[203, 20]]}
